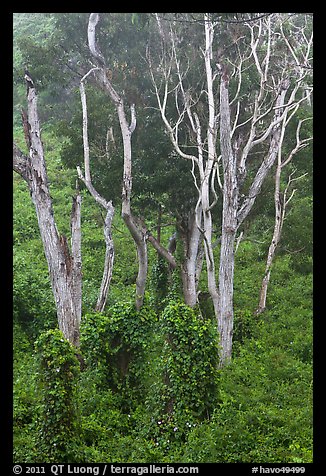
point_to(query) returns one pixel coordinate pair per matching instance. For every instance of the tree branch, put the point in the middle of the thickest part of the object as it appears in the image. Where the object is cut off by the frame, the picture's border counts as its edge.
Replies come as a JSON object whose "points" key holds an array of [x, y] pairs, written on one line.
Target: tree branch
{"points": [[92, 23]]}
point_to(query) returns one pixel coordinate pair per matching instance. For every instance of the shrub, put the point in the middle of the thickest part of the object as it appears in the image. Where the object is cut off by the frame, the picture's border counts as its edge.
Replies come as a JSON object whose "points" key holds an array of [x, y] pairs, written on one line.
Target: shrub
{"points": [[25, 408], [264, 412]]}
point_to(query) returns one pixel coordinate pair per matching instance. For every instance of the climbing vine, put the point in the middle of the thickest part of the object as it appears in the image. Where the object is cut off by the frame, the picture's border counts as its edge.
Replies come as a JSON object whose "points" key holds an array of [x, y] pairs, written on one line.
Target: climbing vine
{"points": [[186, 392], [160, 282], [59, 371], [116, 344]]}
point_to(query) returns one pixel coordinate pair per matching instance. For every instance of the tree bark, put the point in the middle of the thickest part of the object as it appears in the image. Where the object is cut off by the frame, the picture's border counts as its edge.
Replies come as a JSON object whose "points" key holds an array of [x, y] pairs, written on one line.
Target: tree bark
{"points": [[191, 237], [136, 231], [280, 209], [77, 277], [126, 130], [232, 216], [107, 205], [205, 178], [275, 240], [64, 266], [229, 228], [108, 261]]}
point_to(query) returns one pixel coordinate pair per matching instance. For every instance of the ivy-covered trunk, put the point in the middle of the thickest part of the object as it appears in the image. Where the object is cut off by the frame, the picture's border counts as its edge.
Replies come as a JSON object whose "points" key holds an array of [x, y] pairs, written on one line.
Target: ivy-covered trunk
{"points": [[59, 425]]}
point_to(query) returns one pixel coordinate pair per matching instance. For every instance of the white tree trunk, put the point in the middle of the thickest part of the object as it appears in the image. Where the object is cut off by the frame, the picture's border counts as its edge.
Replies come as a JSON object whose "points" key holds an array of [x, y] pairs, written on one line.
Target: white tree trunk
{"points": [[76, 270], [134, 228], [107, 205], [275, 240], [280, 208], [64, 266], [206, 176], [191, 237], [229, 227], [108, 261], [232, 215]]}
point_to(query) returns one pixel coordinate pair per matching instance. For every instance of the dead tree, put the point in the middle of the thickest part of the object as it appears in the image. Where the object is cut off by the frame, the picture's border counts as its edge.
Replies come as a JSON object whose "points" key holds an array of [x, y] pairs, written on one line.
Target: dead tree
{"points": [[281, 80], [64, 264], [107, 205], [278, 97], [199, 227], [127, 128], [136, 226], [281, 201]]}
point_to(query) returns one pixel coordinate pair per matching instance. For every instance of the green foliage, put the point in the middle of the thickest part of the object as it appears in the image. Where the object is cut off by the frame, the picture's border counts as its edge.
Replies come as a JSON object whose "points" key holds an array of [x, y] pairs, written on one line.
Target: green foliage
{"points": [[150, 390], [190, 358], [116, 345], [260, 416], [297, 234], [250, 263], [59, 421], [160, 282], [26, 408], [185, 385], [259, 407], [33, 305], [244, 323], [24, 369], [264, 408]]}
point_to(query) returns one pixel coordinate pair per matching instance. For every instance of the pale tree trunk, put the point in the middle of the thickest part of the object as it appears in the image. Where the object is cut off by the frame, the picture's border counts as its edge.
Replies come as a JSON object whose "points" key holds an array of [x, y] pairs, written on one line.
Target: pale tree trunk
{"points": [[229, 227], [268, 107], [280, 207], [107, 205], [76, 257], [64, 265], [108, 261], [133, 226], [275, 240], [136, 230], [191, 238], [232, 216], [208, 171]]}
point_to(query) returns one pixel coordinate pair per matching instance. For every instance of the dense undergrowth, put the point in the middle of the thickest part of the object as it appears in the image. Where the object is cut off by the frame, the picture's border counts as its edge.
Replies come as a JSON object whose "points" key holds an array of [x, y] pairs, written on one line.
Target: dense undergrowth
{"points": [[145, 386], [149, 390]]}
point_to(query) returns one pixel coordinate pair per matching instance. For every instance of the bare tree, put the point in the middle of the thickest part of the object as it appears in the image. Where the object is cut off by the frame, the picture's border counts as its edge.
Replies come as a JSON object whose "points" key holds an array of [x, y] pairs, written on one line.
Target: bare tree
{"points": [[281, 201], [199, 225], [64, 265], [277, 96], [135, 225], [127, 128], [235, 127], [107, 205]]}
